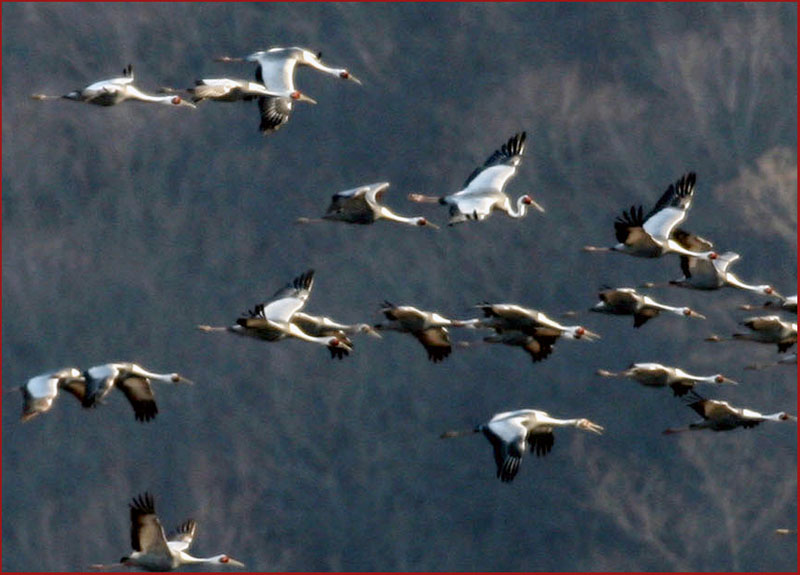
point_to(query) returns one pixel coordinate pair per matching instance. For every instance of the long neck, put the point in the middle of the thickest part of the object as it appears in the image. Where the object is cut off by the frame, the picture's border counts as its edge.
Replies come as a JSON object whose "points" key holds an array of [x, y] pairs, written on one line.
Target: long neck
{"points": [[314, 63], [732, 280], [186, 559], [134, 93], [547, 420], [674, 246], [522, 208], [660, 306], [294, 331], [388, 214], [141, 372]]}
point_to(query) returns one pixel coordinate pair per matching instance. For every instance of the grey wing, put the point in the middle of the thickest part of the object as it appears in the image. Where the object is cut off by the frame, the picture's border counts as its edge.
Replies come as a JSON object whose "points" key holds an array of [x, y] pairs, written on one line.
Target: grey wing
{"points": [[509, 154], [76, 388], [351, 207], [96, 390], [436, 342], [140, 395], [147, 534], [183, 535], [275, 112]]}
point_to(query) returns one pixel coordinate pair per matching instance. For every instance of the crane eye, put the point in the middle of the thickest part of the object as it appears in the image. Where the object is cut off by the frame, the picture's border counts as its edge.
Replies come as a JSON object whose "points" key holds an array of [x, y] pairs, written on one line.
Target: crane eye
{"points": [[175, 378], [720, 379], [687, 311], [344, 74]]}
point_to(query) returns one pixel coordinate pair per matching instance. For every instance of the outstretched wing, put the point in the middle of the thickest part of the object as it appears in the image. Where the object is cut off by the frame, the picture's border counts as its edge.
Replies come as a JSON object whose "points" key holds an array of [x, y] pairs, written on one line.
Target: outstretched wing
{"points": [[288, 299], [500, 166], [351, 206], [182, 537], [275, 112], [436, 342], [671, 208], [147, 534], [541, 443], [140, 395]]}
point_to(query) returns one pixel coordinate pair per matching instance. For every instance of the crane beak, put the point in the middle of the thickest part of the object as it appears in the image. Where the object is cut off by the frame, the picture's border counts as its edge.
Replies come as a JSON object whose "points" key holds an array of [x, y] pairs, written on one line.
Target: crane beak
{"points": [[593, 427], [354, 79], [590, 335], [371, 331], [234, 562], [725, 380], [536, 205], [303, 98], [694, 314]]}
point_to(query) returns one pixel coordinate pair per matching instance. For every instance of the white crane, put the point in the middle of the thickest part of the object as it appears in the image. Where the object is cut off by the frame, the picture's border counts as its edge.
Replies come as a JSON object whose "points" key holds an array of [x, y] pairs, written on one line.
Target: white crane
{"points": [[272, 320], [321, 326], [234, 90], [132, 380], [512, 433], [529, 329], [153, 550], [651, 235], [483, 190], [40, 391], [626, 301], [657, 375], [704, 274], [115, 91], [766, 329], [722, 416], [275, 70], [429, 328], [788, 304], [362, 205]]}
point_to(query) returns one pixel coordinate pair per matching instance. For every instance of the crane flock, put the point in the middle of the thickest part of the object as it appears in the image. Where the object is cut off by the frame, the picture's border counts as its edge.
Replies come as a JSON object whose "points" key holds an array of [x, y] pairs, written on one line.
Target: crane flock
{"points": [[511, 433]]}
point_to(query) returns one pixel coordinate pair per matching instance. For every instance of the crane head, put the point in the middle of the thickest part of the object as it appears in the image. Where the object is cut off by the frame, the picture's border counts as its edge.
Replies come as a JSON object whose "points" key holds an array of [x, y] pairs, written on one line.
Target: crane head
{"points": [[689, 312], [346, 75], [300, 97], [425, 222], [178, 101]]}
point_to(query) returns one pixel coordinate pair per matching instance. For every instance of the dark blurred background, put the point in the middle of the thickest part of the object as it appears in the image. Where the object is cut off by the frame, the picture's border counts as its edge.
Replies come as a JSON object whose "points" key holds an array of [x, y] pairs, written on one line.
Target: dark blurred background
{"points": [[125, 227]]}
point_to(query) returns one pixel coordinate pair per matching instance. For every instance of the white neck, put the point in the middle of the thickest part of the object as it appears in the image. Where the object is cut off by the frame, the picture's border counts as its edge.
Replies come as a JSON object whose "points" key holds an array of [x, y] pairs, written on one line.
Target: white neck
{"points": [[547, 420], [732, 280], [294, 331], [134, 93], [522, 208], [674, 246], [141, 372], [672, 309], [388, 214]]}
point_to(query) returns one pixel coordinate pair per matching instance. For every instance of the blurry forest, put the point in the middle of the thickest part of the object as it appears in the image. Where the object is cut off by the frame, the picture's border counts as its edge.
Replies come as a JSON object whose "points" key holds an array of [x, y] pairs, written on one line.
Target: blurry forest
{"points": [[125, 227]]}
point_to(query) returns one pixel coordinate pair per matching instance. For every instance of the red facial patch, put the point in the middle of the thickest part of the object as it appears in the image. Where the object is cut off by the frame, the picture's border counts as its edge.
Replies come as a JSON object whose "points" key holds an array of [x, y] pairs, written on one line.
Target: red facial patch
{"points": [[344, 74], [176, 100]]}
